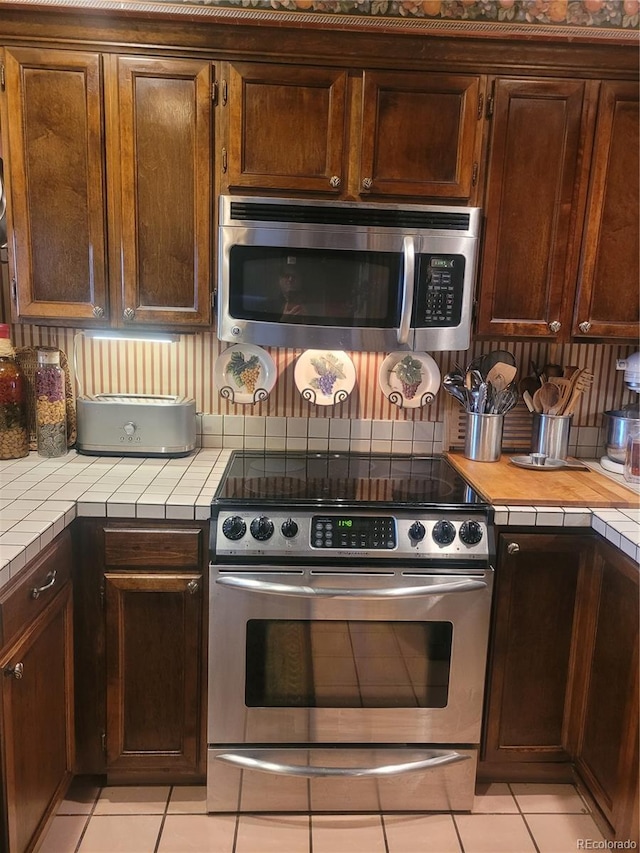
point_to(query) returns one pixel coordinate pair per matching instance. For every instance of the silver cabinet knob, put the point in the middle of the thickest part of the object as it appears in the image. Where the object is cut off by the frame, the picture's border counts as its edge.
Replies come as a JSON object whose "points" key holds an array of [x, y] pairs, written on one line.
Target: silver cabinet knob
{"points": [[98, 311], [16, 671], [555, 326], [335, 181], [193, 586], [129, 313], [367, 183], [584, 327], [513, 548]]}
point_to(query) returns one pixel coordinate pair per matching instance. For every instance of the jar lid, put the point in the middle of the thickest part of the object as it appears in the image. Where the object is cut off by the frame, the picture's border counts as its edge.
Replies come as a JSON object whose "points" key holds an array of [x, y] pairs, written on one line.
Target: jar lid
{"points": [[5, 330], [48, 356]]}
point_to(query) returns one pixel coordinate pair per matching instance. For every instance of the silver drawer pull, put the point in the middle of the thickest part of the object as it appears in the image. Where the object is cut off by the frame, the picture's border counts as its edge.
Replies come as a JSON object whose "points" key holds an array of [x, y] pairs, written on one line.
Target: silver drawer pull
{"points": [[50, 580], [253, 761], [270, 588]]}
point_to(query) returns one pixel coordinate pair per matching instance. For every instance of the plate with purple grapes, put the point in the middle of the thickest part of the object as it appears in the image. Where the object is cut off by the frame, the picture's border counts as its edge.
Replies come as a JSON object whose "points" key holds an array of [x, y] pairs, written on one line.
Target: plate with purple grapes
{"points": [[324, 377], [409, 379]]}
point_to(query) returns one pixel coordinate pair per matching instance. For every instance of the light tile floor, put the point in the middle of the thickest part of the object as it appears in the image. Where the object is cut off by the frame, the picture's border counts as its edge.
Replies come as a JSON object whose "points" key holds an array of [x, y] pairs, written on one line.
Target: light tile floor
{"points": [[514, 818]]}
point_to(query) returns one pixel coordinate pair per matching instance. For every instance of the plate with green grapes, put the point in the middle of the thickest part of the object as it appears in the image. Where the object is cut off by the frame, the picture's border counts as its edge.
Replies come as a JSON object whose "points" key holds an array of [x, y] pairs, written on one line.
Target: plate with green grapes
{"points": [[245, 374], [409, 379], [324, 377]]}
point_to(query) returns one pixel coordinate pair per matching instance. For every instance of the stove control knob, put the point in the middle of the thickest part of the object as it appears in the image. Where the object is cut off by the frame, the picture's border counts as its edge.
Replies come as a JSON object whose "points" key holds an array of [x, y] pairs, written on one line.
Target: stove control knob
{"points": [[416, 531], [289, 528], [262, 528], [470, 532], [234, 527], [443, 532]]}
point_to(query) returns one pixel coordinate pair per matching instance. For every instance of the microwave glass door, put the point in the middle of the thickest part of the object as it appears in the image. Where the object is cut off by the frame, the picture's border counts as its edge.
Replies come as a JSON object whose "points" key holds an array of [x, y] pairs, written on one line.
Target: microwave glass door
{"points": [[316, 287]]}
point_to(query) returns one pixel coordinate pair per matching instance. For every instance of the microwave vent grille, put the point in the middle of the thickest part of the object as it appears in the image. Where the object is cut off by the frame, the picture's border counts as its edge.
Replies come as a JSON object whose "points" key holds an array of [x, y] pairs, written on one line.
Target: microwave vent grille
{"points": [[440, 220]]}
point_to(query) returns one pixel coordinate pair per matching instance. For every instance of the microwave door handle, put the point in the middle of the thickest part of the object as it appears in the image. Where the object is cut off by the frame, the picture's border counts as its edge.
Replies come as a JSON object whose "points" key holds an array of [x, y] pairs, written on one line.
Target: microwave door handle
{"points": [[261, 760], [408, 281], [301, 591]]}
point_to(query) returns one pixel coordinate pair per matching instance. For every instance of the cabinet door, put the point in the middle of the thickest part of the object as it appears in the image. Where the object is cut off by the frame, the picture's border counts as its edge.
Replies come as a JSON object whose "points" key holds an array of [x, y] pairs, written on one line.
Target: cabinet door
{"points": [[54, 174], [607, 749], [154, 687], [419, 135], [607, 304], [532, 192], [286, 128], [533, 648], [160, 150], [37, 722]]}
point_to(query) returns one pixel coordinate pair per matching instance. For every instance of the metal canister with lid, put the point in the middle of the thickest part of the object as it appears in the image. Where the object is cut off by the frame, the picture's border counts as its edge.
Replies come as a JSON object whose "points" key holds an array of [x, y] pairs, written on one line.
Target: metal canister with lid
{"points": [[14, 438], [51, 409]]}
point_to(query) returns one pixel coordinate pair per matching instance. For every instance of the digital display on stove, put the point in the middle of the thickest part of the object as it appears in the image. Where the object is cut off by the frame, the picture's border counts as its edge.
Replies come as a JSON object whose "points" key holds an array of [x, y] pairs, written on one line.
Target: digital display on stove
{"points": [[351, 532]]}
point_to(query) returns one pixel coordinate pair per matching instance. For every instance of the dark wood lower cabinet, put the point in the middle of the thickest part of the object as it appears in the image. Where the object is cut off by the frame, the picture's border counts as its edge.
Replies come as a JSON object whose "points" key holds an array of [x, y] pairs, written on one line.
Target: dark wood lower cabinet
{"points": [[606, 719], [36, 704], [141, 633], [562, 683], [532, 655]]}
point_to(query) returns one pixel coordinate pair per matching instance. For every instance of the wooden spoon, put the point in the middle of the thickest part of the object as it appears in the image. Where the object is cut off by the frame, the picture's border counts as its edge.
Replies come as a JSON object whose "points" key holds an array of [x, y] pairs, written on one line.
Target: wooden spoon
{"points": [[549, 396], [537, 402], [501, 375]]}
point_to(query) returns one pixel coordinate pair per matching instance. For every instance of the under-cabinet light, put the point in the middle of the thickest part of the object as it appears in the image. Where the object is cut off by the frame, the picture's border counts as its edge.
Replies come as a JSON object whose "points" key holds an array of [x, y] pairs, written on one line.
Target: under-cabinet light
{"points": [[145, 337]]}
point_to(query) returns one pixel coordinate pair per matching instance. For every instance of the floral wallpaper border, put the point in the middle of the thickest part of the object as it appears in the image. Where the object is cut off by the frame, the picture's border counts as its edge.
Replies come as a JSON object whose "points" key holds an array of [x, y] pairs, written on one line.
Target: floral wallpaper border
{"points": [[592, 20]]}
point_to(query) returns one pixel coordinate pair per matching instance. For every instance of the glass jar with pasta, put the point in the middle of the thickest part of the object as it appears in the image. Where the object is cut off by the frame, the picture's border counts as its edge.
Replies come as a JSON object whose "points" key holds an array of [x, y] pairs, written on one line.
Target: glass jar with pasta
{"points": [[14, 439], [51, 406]]}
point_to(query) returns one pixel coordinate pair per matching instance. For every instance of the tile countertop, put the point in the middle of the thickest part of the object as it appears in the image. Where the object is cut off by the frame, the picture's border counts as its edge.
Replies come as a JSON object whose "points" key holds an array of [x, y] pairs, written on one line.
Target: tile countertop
{"points": [[40, 497]]}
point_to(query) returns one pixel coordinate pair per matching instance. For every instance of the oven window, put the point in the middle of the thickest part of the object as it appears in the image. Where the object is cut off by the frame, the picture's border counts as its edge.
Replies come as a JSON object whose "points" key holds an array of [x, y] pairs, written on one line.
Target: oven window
{"points": [[350, 664], [316, 287]]}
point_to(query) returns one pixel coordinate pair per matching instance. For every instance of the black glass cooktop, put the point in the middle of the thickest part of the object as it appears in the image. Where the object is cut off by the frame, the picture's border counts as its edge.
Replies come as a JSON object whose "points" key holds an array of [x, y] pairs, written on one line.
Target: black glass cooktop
{"points": [[300, 479]]}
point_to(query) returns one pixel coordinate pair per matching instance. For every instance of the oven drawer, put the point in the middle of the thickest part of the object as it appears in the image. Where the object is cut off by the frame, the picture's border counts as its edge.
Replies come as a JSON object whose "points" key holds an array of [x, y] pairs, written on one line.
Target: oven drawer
{"points": [[340, 780]]}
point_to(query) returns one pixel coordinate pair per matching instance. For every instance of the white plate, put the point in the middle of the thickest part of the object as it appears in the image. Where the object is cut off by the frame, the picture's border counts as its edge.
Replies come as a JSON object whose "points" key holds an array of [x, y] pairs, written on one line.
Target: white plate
{"points": [[549, 464], [424, 387], [242, 388], [324, 377]]}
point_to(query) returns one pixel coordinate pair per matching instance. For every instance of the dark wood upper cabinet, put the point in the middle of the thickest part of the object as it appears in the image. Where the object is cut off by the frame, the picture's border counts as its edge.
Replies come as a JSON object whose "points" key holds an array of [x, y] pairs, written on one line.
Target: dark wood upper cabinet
{"points": [[159, 163], [54, 169], [532, 192], [607, 304], [118, 146], [286, 128], [352, 135], [420, 135]]}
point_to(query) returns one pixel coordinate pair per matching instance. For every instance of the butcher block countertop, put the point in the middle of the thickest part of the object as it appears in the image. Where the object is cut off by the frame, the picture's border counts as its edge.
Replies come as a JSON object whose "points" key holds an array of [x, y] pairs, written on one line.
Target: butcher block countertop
{"points": [[504, 483]]}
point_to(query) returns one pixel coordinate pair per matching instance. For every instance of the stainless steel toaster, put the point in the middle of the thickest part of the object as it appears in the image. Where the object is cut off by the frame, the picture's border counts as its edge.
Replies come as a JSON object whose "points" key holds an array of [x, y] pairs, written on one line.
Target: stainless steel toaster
{"points": [[136, 425]]}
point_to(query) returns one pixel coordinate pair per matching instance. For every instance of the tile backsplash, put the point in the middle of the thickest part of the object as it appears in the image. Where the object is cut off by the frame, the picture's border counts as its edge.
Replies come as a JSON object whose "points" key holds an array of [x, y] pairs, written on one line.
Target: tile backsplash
{"points": [[366, 421]]}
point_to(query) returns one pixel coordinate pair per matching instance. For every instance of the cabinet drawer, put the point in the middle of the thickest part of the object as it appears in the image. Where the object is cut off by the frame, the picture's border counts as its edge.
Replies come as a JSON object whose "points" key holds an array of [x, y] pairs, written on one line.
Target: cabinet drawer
{"points": [[21, 601], [153, 547]]}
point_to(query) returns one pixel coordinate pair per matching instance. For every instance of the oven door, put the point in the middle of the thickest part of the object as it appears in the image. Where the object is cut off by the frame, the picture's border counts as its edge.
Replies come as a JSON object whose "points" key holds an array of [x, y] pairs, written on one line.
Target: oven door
{"points": [[360, 656]]}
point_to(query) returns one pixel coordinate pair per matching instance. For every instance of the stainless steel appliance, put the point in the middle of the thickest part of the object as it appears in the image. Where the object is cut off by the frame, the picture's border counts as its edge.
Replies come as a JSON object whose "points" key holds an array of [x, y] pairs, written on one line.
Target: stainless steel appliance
{"points": [[136, 425], [350, 604], [342, 275]]}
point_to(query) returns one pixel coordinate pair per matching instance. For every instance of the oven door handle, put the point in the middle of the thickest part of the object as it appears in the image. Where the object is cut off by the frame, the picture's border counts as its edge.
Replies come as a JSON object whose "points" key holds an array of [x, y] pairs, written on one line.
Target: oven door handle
{"points": [[408, 283], [301, 591], [255, 761]]}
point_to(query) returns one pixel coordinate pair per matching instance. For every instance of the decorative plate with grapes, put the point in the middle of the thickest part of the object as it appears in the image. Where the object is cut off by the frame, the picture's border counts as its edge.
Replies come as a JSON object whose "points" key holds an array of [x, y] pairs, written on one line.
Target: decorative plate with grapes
{"points": [[409, 380], [324, 377], [245, 374]]}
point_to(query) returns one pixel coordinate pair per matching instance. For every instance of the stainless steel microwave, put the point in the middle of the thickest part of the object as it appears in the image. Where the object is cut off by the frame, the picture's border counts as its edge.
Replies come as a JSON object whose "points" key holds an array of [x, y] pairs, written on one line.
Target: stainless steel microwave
{"points": [[346, 276]]}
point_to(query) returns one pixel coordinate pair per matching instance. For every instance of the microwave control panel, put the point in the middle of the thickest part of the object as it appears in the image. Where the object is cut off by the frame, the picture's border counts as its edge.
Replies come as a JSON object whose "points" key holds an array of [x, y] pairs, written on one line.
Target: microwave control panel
{"points": [[440, 283]]}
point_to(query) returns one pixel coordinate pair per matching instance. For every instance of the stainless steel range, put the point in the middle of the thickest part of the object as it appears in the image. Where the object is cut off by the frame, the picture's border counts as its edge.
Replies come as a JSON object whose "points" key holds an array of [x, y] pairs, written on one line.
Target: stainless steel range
{"points": [[350, 605]]}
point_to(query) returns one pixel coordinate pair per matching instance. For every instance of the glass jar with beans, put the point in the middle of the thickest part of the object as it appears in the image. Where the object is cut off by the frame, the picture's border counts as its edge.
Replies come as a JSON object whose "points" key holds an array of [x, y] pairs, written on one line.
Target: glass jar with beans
{"points": [[14, 438], [51, 406]]}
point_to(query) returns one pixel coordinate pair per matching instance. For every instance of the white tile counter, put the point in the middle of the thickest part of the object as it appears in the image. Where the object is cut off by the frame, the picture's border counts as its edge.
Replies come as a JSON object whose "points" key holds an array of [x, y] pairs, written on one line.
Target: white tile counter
{"points": [[40, 497]]}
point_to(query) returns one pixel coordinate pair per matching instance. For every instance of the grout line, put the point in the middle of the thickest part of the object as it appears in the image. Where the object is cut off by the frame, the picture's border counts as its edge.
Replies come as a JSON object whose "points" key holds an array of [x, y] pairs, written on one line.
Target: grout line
{"points": [[89, 817]]}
